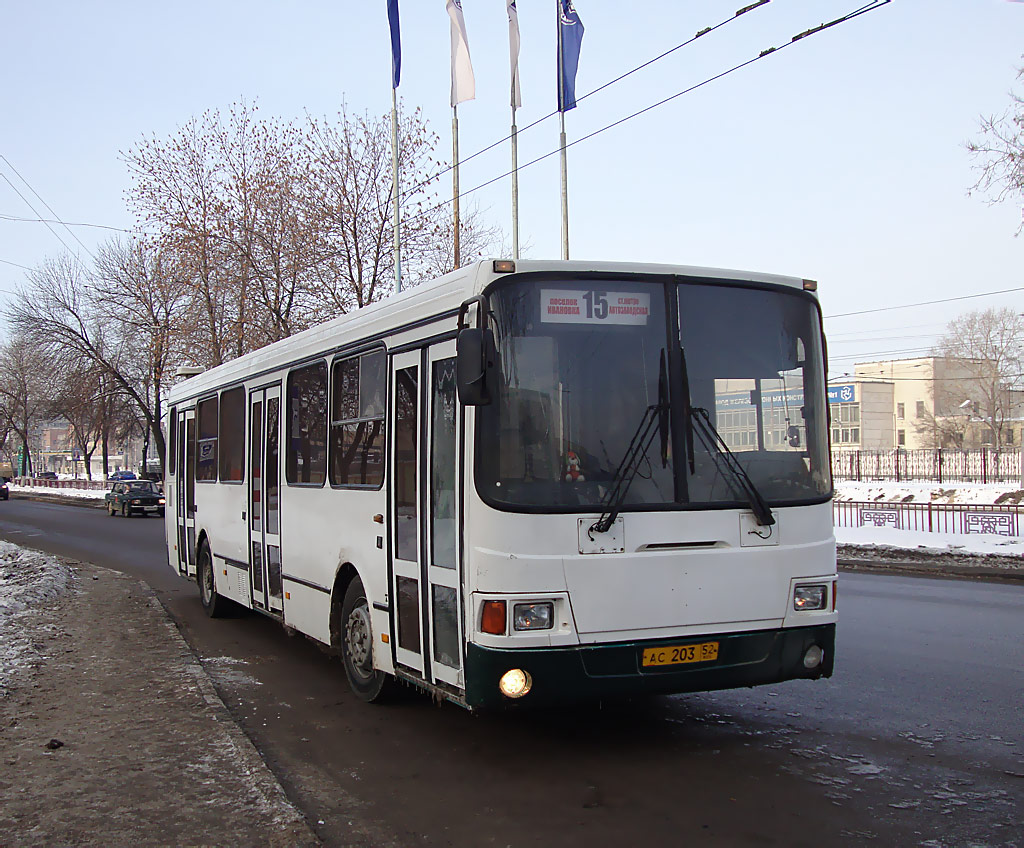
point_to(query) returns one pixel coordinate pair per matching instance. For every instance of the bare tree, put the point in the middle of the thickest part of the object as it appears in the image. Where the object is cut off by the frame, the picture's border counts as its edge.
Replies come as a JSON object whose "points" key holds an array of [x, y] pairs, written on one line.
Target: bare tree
{"points": [[24, 391], [56, 313], [1000, 151], [988, 347]]}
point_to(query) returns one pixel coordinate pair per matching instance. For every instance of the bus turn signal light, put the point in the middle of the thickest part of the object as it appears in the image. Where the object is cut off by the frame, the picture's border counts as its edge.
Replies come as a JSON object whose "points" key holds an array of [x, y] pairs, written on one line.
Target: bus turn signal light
{"points": [[493, 618]]}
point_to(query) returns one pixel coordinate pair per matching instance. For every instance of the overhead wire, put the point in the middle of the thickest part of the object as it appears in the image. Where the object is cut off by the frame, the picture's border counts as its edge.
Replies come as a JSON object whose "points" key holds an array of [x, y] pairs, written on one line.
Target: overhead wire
{"points": [[47, 205], [868, 7], [700, 34]]}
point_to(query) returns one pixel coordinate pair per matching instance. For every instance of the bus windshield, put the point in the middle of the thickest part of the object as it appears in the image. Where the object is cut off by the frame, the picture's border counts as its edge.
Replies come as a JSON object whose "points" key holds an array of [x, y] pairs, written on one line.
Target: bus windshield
{"points": [[579, 365]]}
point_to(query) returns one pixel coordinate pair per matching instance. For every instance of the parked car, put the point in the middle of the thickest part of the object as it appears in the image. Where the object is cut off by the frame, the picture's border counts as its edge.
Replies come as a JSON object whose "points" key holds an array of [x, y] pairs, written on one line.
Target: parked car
{"points": [[129, 497], [5, 493], [45, 475], [122, 475]]}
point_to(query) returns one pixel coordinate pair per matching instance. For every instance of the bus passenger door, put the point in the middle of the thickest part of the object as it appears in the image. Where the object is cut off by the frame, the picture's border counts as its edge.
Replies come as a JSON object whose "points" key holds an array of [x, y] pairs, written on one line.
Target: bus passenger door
{"points": [[425, 590], [265, 499], [185, 492]]}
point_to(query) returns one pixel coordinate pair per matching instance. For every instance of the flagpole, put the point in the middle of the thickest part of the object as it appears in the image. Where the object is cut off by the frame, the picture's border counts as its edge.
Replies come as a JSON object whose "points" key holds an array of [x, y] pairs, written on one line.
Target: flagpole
{"points": [[561, 142], [515, 182], [394, 190], [455, 180]]}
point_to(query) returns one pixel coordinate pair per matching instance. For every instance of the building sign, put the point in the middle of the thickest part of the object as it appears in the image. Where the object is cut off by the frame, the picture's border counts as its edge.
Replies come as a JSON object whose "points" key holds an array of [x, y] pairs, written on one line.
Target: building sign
{"points": [[793, 398], [594, 307], [841, 394]]}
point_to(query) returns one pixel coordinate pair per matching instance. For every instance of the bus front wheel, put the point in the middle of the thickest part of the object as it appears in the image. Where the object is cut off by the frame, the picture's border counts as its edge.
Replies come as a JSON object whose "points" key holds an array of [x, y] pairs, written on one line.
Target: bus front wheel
{"points": [[357, 646]]}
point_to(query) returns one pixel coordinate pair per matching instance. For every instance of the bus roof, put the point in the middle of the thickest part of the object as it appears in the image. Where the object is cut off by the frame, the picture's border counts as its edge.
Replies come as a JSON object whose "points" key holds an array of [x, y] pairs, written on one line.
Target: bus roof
{"points": [[421, 302]]}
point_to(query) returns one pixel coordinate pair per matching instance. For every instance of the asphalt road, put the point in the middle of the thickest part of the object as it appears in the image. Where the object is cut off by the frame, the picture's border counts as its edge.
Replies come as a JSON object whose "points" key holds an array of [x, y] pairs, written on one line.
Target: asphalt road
{"points": [[916, 740]]}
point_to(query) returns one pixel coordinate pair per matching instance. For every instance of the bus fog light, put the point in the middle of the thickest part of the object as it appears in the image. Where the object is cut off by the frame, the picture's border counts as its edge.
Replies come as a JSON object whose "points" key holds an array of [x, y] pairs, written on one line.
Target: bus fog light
{"points": [[813, 657], [533, 616], [809, 597], [515, 683]]}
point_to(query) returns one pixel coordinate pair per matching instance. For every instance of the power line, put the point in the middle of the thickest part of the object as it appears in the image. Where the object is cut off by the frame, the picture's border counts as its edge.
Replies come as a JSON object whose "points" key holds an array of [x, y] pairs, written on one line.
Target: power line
{"points": [[20, 219], [47, 205], [869, 7], [706, 31], [924, 303], [16, 265]]}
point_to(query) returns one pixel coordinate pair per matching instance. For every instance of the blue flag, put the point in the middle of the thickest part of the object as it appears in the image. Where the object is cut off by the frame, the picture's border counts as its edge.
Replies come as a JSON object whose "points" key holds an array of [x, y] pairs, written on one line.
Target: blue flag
{"points": [[396, 43], [570, 38]]}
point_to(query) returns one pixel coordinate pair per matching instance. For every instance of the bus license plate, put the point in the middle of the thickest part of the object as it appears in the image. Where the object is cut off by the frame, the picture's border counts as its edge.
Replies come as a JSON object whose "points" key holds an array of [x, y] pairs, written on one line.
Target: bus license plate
{"points": [[678, 654]]}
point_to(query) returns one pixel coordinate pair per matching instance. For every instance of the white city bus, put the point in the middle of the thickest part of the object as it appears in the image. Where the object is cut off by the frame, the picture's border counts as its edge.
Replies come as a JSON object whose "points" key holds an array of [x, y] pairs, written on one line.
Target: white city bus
{"points": [[527, 482]]}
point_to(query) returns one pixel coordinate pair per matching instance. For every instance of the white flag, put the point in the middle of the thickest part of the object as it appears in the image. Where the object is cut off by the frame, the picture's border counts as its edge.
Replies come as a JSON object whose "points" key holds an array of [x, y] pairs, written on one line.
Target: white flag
{"points": [[513, 50], [463, 83]]}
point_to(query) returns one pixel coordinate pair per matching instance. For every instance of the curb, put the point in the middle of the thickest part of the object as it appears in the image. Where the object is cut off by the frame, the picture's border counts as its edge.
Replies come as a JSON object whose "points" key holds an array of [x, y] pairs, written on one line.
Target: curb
{"points": [[948, 572], [263, 778]]}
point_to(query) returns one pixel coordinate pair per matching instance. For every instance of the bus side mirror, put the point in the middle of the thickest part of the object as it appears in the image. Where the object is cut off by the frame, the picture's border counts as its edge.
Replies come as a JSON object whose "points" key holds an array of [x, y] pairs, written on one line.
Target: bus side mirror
{"points": [[474, 366]]}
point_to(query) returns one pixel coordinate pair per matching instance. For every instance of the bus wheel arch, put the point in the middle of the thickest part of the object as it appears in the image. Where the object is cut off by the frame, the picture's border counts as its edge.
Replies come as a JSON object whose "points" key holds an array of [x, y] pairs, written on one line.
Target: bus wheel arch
{"points": [[352, 636]]}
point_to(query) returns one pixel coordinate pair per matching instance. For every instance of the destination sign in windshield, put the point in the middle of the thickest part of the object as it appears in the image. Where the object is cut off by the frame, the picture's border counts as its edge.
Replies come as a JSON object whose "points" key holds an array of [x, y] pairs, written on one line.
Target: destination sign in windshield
{"points": [[594, 307]]}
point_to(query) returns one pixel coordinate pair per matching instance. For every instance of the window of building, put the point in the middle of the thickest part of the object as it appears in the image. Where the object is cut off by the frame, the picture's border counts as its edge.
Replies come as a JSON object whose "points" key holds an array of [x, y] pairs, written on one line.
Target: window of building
{"points": [[359, 385], [901, 437], [920, 409], [1009, 436], [206, 442], [306, 456], [232, 435], [900, 411]]}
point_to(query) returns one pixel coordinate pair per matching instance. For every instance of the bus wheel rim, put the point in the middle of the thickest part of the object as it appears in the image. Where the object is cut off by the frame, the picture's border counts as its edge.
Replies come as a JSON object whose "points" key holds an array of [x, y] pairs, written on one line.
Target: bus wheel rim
{"points": [[357, 639]]}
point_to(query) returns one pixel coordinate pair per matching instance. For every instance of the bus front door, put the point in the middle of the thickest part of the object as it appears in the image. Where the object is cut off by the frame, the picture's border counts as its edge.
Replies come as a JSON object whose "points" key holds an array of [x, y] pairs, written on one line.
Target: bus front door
{"points": [[425, 476], [265, 499], [185, 492]]}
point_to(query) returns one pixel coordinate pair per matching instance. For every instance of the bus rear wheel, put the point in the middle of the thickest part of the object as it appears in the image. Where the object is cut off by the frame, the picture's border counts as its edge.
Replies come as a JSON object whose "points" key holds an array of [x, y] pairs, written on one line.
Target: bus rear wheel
{"points": [[213, 604], [357, 646]]}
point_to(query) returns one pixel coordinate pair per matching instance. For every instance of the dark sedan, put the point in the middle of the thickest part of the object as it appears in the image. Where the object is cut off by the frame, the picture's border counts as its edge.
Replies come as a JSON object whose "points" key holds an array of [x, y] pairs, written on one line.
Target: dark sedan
{"points": [[5, 493], [135, 496]]}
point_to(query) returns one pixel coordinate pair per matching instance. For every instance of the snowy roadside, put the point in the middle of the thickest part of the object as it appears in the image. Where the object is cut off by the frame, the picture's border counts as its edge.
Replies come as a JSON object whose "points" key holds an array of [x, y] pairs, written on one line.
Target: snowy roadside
{"points": [[29, 580]]}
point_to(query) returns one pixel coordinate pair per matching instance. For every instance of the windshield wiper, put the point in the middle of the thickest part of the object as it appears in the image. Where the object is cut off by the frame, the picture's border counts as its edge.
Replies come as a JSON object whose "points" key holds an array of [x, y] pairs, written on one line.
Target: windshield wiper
{"points": [[655, 420], [726, 459]]}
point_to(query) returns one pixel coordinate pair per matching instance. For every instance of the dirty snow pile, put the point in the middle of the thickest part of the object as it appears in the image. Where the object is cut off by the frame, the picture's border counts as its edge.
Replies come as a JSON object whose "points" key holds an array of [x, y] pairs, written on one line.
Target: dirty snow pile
{"points": [[29, 580]]}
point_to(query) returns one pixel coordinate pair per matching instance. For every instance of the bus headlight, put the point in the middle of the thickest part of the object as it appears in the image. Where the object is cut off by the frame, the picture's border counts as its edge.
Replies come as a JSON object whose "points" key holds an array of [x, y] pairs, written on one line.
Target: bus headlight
{"points": [[810, 597], [515, 683], [533, 616]]}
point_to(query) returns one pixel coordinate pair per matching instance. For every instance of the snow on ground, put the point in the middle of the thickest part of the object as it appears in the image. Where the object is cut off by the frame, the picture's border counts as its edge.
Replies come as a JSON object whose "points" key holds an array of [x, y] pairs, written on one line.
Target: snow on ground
{"points": [[28, 580], [95, 494], [918, 540], [925, 492]]}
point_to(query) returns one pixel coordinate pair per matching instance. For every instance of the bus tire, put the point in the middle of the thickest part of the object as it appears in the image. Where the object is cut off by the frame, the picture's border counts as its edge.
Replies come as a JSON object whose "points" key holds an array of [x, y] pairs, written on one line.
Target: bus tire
{"points": [[213, 604], [368, 683]]}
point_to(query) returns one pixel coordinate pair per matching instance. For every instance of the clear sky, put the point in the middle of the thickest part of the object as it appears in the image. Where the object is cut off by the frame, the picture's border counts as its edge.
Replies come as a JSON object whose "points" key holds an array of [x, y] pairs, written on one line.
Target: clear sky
{"points": [[840, 158]]}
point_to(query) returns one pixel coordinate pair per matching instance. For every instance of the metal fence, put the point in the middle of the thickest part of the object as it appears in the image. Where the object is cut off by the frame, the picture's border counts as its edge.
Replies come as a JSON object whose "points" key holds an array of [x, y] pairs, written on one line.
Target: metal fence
{"points": [[984, 465], [60, 484], [963, 519]]}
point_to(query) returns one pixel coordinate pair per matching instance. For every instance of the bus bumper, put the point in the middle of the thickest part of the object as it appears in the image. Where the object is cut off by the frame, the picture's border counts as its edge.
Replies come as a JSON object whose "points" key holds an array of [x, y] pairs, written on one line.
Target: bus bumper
{"points": [[588, 672]]}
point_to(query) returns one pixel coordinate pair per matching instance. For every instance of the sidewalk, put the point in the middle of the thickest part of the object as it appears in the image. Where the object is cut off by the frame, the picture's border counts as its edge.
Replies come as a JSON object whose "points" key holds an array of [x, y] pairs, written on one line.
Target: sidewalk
{"points": [[148, 753]]}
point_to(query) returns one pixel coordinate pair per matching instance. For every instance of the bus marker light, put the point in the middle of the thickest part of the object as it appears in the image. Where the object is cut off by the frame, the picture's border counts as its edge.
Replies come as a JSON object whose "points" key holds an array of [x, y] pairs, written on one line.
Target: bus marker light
{"points": [[384, 638], [835, 592], [515, 683], [493, 618], [378, 519], [813, 657], [287, 596], [504, 266], [810, 285]]}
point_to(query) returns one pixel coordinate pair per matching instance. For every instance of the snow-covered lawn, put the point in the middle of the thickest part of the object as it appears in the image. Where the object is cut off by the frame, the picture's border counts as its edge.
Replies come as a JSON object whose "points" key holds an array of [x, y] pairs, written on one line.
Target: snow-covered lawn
{"points": [[28, 580], [96, 494]]}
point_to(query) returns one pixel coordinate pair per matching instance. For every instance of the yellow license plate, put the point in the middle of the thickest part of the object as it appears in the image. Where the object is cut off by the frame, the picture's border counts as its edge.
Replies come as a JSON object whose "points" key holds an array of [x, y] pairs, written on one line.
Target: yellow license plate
{"points": [[678, 654]]}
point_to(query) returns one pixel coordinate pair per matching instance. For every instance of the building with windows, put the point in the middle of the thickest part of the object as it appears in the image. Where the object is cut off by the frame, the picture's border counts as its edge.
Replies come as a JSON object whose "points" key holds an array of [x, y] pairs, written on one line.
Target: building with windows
{"points": [[920, 403]]}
